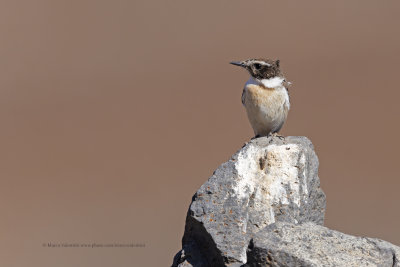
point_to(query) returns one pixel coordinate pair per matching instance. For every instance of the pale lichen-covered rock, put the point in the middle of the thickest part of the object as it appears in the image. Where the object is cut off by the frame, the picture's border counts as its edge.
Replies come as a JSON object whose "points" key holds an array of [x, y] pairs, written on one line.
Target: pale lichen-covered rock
{"points": [[269, 180], [311, 245], [265, 207]]}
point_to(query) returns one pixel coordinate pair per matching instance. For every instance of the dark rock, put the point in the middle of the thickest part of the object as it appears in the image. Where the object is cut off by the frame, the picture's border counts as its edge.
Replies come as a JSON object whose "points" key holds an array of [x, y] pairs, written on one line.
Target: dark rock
{"points": [[265, 207], [269, 180], [311, 245]]}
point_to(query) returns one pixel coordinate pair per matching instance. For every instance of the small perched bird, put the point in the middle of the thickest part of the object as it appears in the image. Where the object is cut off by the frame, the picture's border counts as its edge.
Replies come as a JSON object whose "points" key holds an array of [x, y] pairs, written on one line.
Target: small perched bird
{"points": [[265, 95]]}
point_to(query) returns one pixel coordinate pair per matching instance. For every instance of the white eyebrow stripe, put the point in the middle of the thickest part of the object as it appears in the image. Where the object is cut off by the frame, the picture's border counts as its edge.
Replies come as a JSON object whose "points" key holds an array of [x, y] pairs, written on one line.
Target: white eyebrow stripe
{"points": [[263, 63]]}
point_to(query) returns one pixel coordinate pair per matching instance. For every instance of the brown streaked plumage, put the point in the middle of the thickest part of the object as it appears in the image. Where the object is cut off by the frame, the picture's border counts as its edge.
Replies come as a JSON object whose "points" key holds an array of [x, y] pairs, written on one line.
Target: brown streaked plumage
{"points": [[265, 95]]}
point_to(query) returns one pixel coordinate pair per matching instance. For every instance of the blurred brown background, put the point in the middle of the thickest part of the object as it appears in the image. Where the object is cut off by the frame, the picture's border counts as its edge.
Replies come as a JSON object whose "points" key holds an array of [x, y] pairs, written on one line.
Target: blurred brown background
{"points": [[113, 113]]}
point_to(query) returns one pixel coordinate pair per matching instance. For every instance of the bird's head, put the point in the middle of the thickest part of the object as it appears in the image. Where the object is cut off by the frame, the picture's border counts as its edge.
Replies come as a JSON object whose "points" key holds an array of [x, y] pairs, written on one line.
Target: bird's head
{"points": [[260, 69]]}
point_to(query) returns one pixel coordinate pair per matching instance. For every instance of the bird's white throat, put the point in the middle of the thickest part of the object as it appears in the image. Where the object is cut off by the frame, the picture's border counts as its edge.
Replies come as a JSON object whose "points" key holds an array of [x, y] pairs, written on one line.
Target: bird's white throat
{"points": [[269, 83]]}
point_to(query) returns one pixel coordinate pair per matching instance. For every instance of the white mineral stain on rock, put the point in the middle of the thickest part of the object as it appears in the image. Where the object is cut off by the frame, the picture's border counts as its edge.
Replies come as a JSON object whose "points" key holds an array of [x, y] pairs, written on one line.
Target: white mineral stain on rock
{"points": [[248, 169], [268, 177], [280, 172], [303, 166]]}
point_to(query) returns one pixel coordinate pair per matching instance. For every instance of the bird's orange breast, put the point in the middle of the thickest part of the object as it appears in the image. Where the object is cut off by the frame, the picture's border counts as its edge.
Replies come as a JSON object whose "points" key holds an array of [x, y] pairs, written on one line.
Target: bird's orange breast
{"points": [[266, 108], [256, 95]]}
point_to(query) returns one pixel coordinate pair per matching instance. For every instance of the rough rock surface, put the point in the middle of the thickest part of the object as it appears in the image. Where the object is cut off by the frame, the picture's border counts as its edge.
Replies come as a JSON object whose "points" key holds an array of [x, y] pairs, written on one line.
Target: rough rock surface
{"points": [[308, 244], [261, 200], [267, 181]]}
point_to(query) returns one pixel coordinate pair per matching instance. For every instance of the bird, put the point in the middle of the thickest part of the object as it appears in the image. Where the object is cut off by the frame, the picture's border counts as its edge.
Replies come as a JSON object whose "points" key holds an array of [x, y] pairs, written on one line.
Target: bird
{"points": [[265, 96]]}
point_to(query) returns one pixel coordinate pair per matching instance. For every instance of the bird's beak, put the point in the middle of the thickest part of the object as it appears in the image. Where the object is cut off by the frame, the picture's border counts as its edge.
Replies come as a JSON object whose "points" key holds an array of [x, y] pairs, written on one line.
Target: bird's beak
{"points": [[238, 63]]}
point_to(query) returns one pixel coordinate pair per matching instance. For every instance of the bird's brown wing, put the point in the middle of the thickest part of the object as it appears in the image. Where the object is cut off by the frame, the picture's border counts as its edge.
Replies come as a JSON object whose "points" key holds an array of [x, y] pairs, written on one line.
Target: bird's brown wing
{"points": [[287, 84], [243, 96]]}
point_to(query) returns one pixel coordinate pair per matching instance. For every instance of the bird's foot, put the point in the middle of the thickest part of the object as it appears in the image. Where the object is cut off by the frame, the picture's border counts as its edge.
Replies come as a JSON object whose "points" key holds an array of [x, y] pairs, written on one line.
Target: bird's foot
{"points": [[276, 135]]}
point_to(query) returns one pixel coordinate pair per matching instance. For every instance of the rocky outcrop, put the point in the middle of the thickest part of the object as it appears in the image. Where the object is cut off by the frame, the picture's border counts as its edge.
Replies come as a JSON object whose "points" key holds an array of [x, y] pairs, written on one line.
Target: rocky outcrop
{"points": [[265, 207]]}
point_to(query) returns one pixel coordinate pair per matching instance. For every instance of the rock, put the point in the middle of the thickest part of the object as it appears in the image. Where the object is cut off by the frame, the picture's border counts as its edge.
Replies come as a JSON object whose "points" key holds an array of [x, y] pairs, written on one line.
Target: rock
{"points": [[265, 207], [269, 180], [308, 244]]}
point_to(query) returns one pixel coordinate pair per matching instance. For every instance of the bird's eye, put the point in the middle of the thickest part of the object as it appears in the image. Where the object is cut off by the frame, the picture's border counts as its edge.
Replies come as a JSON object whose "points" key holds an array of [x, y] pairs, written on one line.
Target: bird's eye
{"points": [[257, 66]]}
